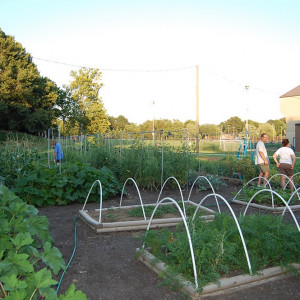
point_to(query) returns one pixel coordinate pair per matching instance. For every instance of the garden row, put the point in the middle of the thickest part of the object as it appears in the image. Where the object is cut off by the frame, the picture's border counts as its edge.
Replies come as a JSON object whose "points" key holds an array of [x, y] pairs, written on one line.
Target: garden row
{"points": [[27, 170]]}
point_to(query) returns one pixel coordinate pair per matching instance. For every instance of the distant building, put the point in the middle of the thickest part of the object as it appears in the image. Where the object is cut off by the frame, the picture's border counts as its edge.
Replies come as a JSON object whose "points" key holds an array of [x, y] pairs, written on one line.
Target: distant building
{"points": [[290, 108]]}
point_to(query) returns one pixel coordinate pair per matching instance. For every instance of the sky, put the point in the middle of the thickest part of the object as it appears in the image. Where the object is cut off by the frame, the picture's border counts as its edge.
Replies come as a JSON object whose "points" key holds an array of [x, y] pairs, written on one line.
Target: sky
{"points": [[148, 51]]}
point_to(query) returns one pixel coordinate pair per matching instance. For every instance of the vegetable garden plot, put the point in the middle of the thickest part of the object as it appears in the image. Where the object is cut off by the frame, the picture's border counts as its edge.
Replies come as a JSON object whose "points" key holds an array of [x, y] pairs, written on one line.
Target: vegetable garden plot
{"points": [[224, 285], [268, 197], [136, 217], [220, 260], [131, 217]]}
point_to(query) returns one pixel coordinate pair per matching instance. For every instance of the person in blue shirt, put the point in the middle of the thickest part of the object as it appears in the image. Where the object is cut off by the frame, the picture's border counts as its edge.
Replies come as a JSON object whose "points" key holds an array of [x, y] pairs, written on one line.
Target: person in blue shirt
{"points": [[58, 153]]}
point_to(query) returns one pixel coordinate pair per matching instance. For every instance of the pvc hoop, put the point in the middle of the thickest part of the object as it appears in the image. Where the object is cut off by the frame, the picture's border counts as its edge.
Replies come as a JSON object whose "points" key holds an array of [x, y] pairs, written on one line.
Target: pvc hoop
{"points": [[236, 222], [268, 182], [186, 228], [204, 177], [138, 194], [100, 198], [287, 206], [161, 190], [289, 180]]}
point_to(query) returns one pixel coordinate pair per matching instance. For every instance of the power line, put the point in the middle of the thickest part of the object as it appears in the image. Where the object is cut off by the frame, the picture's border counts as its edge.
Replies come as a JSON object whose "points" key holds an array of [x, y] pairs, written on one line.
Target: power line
{"points": [[223, 77], [239, 83], [117, 70]]}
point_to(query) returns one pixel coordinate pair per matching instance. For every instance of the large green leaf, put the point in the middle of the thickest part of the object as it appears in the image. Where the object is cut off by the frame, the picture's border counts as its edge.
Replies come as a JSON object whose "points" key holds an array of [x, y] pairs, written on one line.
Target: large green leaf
{"points": [[53, 258], [22, 239], [18, 262], [39, 226], [17, 295], [16, 208], [42, 279], [12, 283], [72, 294]]}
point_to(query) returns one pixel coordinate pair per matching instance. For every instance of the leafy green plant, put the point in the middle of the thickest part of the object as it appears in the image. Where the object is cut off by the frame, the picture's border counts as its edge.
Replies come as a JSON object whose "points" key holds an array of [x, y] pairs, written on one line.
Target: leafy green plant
{"points": [[28, 259], [111, 216], [202, 184], [218, 248], [161, 210], [40, 185], [264, 197]]}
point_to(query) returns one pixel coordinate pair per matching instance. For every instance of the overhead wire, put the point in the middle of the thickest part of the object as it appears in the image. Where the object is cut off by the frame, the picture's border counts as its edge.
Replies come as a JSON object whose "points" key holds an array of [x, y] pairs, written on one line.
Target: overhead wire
{"points": [[118, 70], [221, 76]]}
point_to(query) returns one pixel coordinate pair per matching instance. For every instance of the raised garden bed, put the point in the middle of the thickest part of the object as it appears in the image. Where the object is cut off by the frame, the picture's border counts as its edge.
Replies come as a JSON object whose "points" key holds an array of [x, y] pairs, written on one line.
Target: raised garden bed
{"points": [[121, 218], [224, 285], [268, 198], [204, 258], [262, 199]]}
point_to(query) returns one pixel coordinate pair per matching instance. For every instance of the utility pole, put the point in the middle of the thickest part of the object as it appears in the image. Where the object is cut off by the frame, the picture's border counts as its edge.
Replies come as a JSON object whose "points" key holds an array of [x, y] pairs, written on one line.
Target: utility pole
{"points": [[153, 134], [197, 108], [247, 132]]}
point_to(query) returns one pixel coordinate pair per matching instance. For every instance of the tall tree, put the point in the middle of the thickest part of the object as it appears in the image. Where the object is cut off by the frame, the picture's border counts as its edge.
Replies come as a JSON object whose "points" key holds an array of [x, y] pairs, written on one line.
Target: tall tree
{"points": [[68, 111], [85, 90], [279, 125], [233, 125], [209, 130], [26, 98], [268, 129], [118, 123]]}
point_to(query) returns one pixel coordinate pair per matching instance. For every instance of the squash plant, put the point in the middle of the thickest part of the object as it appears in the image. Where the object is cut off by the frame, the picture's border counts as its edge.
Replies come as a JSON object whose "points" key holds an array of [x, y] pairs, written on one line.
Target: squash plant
{"points": [[40, 185], [28, 259]]}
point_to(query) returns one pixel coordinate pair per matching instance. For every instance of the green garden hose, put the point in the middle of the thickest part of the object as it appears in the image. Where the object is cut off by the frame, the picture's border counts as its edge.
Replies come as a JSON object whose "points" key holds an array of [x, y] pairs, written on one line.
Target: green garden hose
{"points": [[75, 238]]}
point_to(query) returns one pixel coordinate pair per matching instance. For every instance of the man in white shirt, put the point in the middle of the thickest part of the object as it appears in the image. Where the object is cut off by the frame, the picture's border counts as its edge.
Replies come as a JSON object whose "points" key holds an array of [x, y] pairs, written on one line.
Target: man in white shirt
{"points": [[261, 159]]}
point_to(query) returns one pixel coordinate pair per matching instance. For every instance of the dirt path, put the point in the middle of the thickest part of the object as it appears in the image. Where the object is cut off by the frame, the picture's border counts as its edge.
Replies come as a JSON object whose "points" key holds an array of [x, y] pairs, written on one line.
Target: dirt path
{"points": [[104, 266]]}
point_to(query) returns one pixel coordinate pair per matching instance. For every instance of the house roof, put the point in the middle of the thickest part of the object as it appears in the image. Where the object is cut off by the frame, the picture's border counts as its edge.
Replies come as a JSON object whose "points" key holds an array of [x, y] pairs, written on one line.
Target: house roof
{"points": [[292, 93]]}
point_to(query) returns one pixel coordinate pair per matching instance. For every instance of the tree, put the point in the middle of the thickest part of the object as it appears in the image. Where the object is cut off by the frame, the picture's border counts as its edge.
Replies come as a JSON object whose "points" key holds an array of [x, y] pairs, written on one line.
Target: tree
{"points": [[118, 123], [233, 125], [209, 130], [68, 110], [279, 125], [26, 98], [98, 120], [268, 129], [85, 90], [146, 126], [191, 128], [131, 127]]}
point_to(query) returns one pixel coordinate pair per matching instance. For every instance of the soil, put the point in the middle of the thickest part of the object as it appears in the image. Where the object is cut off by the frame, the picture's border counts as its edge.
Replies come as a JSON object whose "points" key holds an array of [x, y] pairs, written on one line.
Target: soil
{"points": [[104, 266]]}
